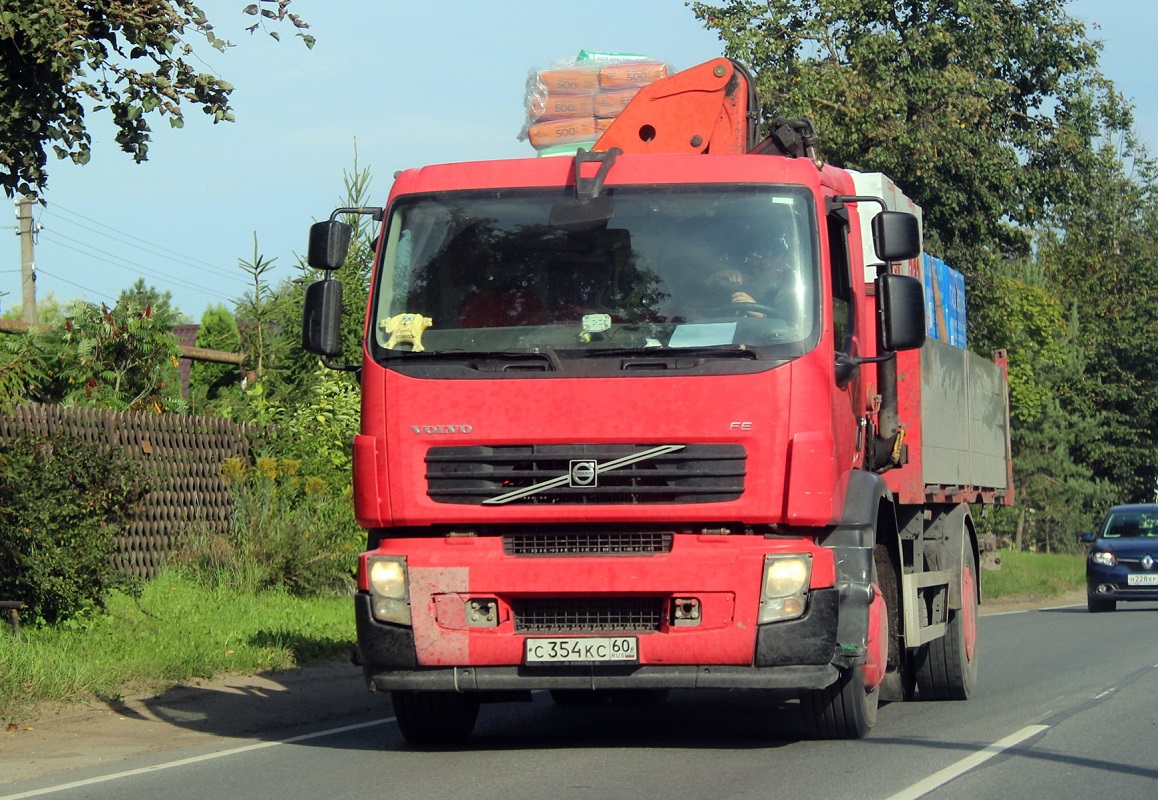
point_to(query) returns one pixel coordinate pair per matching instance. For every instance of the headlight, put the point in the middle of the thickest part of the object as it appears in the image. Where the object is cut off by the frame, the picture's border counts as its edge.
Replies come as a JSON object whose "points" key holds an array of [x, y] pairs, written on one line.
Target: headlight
{"points": [[786, 581], [786, 576], [387, 577], [389, 592], [1103, 557]]}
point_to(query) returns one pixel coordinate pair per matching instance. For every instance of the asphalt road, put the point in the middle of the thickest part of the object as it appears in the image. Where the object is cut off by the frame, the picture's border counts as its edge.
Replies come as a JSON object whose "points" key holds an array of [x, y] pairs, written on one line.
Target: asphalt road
{"points": [[1064, 709]]}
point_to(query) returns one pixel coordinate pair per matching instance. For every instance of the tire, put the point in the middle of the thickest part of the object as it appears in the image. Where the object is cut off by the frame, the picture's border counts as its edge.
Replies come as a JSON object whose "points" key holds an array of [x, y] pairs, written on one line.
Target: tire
{"points": [[1097, 605], [843, 710], [947, 667], [900, 682], [435, 718]]}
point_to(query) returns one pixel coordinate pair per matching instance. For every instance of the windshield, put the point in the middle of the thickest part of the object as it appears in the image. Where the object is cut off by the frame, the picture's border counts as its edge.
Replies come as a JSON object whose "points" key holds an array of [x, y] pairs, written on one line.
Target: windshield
{"points": [[700, 267], [1131, 524]]}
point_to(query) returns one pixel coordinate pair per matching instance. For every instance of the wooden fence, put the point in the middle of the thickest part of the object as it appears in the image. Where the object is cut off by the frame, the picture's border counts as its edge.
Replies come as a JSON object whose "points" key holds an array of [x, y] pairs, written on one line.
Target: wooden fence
{"points": [[180, 456]]}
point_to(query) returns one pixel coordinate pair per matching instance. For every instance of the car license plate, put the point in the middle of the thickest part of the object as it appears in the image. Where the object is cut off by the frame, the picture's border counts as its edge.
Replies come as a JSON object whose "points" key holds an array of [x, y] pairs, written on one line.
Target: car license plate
{"points": [[1143, 580], [583, 650]]}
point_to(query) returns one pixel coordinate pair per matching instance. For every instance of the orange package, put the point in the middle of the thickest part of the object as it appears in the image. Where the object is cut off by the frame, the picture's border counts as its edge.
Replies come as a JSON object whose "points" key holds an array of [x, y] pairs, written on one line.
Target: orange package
{"points": [[631, 73], [569, 81], [563, 131], [561, 106], [609, 104]]}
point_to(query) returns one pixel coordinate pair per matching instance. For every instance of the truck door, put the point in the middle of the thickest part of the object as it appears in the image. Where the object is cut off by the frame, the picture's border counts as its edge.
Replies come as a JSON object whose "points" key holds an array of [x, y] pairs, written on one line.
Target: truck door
{"points": [[847, 401]]}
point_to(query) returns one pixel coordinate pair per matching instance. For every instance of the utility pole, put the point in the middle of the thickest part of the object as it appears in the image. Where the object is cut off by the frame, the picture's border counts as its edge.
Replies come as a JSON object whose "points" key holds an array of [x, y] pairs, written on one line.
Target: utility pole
{"points": [[27, 264]]}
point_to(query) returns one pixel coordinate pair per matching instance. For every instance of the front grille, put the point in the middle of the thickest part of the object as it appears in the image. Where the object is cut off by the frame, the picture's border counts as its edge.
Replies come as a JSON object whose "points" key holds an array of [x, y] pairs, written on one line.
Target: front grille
{"points": [[587, 615], [628, 473], [576, 543]]}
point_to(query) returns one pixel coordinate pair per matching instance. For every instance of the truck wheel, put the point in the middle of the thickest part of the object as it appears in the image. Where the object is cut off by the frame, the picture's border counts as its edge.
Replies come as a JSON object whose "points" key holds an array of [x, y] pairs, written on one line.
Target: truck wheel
{"points": [[1097, 605], [844, 710], [900, 682], [435, 718], [947, 667]]}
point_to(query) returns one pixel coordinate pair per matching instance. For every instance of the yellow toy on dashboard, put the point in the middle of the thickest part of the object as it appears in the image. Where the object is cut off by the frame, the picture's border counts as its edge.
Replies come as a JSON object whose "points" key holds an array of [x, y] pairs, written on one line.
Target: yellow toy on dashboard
{"points": [[406, 328]]}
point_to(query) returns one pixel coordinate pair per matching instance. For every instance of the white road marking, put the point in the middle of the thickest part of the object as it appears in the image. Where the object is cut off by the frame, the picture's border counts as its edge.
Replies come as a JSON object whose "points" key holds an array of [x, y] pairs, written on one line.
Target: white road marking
{"points": [[938, 779], [983, 613], [194, 760]]}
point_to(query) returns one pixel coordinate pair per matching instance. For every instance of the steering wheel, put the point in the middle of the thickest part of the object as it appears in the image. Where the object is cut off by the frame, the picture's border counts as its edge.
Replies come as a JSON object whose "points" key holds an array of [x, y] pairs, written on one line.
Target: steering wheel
{"points": [[745, 309]]}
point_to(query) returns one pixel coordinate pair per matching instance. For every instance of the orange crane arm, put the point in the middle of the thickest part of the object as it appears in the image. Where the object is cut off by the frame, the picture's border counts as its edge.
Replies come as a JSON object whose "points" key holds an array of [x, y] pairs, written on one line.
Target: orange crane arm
{"points": [[710, 108]]}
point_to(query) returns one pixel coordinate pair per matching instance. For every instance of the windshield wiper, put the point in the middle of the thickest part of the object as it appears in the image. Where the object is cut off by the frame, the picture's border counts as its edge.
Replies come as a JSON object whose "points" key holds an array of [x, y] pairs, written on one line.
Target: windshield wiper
{"points": [[535, 355], [704, 351]]}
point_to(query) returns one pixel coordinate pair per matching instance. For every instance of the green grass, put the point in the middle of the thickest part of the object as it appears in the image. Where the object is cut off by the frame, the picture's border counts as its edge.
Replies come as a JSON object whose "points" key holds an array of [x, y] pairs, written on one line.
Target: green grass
{"points": [[1034, 575], [176, 631]]}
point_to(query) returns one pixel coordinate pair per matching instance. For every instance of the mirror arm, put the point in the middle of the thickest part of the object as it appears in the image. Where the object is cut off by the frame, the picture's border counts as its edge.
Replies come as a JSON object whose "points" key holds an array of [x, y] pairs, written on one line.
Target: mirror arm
{"points": [[839, 200], [858, 360], [341, 367], [374, 212]]}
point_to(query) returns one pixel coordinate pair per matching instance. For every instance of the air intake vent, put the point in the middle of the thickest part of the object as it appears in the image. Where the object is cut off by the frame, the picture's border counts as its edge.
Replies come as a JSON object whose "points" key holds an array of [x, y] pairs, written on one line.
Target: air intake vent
{"points": [[602, 543], [587, 614], [585, 474]]}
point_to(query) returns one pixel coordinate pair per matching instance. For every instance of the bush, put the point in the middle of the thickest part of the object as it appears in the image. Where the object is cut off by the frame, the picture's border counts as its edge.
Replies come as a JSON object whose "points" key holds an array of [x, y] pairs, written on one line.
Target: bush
{"points": [[63, 501], [287, 530]]}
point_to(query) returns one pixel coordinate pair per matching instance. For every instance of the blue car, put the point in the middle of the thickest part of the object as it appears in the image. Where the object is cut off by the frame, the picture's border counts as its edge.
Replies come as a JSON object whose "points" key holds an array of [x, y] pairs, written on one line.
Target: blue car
{"points": [[1123, 560]]}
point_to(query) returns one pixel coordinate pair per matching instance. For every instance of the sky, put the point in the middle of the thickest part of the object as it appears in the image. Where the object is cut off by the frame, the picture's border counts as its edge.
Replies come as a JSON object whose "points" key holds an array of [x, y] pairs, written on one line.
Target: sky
{"points": [[391, 84]]}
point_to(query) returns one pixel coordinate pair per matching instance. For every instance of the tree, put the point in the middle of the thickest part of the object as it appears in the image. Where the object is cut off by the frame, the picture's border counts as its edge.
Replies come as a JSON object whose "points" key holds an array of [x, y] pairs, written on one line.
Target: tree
{"points": [[132, 58], [209, 380], [255, 312], [123, 358], [984, 110], [49, 311], [1051, 420], [297, 370], [1103, 254]]}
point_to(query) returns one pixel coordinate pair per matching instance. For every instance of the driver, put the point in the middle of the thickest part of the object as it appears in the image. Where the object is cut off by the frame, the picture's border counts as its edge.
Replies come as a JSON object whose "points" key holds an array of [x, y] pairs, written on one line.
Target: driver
{"points": [[757, 278]]}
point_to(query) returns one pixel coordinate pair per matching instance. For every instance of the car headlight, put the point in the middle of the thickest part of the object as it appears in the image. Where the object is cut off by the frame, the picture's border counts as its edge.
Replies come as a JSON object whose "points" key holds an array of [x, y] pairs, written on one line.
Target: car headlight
{"points": [[1103, 557], [786, 581], [389, 589]]}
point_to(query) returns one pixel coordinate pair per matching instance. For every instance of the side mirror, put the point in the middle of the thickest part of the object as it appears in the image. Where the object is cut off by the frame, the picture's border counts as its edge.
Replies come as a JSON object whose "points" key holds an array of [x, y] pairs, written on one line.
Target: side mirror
{"points": [[1087, 538], [321, 315], [329, 244], [896, 236], [901, 300]]}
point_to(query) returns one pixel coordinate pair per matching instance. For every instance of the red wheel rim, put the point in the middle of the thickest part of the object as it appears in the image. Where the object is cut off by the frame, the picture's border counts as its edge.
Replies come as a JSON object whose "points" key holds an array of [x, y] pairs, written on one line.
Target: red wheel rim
{"points": [[969, 612]]}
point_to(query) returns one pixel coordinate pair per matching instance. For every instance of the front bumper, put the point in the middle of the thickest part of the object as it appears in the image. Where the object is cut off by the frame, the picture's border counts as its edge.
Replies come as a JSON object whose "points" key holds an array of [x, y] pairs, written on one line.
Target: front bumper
{"points": [[478, 679], [1113, 583], [792, 654]]}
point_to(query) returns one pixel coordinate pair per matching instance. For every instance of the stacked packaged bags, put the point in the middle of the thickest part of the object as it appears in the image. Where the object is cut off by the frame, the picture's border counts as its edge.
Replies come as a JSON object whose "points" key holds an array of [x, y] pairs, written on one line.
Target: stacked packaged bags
{"points": [[570, 104]]}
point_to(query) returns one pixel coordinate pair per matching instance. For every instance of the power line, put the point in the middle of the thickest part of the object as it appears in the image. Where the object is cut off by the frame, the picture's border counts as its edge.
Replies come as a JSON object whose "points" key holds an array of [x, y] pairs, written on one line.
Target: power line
{"points": [[157, 248], [127, 265], [77, 285]]}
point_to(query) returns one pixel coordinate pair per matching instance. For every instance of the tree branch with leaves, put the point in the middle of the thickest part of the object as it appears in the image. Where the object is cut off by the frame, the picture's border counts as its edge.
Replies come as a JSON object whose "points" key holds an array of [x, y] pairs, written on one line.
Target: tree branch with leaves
{"points": [[60, 59]]}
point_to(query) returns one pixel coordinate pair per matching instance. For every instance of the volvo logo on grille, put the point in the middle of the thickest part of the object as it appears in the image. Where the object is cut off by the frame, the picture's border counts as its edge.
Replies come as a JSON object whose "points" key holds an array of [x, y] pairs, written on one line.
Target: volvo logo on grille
{"points": [[1147, 561], [583, 473]]}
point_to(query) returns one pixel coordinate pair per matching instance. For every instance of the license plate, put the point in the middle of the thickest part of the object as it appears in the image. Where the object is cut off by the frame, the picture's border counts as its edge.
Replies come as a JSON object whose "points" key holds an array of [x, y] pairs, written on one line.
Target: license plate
{"points": [[583, 650], [1142, 580]]}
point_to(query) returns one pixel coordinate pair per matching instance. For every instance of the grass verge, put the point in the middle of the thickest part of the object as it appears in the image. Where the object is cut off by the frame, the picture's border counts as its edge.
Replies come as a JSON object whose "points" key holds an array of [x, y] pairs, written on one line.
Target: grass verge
{"points": [[176, 631], [1034, 575]]}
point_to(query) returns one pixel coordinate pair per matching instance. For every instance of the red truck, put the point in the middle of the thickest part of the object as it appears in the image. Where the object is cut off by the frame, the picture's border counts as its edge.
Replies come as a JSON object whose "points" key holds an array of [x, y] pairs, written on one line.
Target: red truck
{"points": [[661, 415]]}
